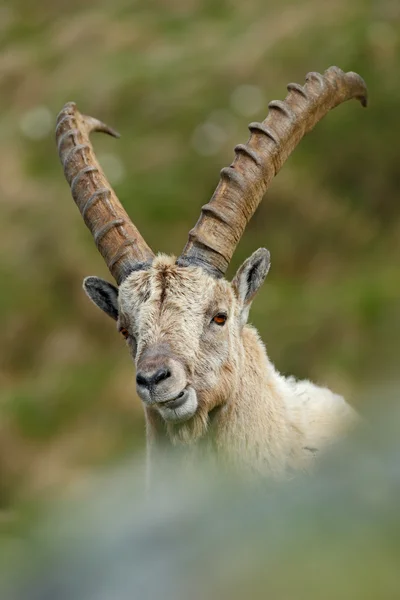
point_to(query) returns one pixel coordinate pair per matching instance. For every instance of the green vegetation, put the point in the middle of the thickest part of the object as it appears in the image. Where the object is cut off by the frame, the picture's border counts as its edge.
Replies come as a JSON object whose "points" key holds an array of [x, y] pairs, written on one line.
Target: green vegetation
{"points": [[169, 77]]}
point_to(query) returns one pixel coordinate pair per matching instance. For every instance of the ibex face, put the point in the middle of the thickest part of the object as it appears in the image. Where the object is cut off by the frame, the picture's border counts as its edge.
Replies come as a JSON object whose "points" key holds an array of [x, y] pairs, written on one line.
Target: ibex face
{"points": [[183, 328]]}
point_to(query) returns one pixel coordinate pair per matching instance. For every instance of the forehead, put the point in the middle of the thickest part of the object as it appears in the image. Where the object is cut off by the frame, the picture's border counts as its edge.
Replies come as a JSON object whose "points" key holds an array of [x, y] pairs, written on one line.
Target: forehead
{"points": [[167, 285]]}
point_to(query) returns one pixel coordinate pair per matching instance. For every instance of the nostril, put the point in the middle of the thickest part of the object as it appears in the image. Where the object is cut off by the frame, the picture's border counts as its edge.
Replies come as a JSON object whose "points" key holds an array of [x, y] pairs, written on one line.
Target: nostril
{"points": [[161, 375], [150, 380], [141, 380]]}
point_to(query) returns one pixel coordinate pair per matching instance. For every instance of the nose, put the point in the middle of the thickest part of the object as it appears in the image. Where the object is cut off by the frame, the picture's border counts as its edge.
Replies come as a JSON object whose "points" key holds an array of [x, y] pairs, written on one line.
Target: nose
{"points": [[148, 380]]}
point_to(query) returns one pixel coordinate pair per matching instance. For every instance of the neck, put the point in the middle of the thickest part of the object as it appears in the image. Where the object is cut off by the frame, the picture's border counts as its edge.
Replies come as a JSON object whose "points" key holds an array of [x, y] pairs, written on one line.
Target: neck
{"points": [[253, 429], [248, 429]]}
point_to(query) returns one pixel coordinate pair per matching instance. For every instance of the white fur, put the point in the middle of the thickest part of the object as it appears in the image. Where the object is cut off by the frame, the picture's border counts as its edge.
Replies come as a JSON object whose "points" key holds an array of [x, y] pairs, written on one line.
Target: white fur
{"points": [[239, 406]]}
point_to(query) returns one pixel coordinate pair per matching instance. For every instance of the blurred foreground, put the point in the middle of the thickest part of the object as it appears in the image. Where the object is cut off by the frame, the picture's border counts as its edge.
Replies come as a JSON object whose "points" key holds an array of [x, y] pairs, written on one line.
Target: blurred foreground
{"points": [[206, 535]]}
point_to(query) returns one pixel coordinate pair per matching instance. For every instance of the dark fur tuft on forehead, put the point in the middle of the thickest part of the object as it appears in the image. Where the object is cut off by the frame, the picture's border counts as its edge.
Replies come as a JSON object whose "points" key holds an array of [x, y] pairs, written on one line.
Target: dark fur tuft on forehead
{"points": [[162, 277]]}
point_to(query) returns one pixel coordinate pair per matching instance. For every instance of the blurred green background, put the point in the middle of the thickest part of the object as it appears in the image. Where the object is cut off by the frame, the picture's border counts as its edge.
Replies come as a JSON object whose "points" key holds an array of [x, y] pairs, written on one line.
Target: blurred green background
{"points": [[180, 79]]}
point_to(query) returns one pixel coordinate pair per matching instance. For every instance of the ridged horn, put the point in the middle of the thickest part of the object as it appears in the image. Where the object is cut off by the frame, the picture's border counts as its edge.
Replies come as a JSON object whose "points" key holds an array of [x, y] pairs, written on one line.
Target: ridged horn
{"points": [[242, 186], [116, 237]]}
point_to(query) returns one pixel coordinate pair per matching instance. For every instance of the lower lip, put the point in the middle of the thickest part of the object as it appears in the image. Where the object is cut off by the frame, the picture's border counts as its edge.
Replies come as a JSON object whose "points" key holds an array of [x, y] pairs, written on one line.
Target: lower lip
{"points": [[177, 402]]}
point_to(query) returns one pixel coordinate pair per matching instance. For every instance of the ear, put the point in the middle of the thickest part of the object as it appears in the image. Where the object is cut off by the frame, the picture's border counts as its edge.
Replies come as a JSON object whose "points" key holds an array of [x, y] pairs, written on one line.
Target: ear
{"points": [[103, 294], [249, 278]]}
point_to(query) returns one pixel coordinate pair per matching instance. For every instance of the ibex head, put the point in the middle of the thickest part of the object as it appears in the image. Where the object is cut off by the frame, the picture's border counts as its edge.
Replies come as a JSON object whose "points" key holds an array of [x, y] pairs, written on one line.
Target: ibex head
{"points": [[183, 327], [184, 323]]}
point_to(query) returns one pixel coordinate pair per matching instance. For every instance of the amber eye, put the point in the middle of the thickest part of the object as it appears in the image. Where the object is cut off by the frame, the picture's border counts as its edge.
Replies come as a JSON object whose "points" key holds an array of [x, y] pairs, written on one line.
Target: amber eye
{"points": [[220, 319], [124, 332]]}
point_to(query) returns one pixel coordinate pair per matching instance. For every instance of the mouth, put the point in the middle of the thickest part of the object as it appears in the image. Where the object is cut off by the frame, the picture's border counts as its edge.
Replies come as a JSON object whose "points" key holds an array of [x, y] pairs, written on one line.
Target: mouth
{"points": [[178, 401], [181, 408]]}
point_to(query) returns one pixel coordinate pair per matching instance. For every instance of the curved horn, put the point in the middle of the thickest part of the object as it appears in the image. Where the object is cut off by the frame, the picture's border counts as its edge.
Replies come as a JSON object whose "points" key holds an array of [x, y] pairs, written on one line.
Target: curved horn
{"points": [[242, 186], [117, 239]]}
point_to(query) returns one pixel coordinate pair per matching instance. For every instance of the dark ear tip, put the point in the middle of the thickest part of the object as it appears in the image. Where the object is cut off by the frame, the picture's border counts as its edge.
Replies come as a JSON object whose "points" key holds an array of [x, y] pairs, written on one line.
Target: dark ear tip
{"points": [[263, 255], [89, 283], [94, 281], [93, 284]]}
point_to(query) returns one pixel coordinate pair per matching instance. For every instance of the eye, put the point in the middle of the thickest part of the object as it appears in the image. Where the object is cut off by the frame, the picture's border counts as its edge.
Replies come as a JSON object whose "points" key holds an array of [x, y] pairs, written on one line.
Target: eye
{"points": [[124, 332], [220, 319]]}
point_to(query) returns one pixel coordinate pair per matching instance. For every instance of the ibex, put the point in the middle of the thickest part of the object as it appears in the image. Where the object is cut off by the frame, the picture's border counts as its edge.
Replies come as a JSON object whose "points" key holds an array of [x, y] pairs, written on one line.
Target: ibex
{"points": [[201, 371]]}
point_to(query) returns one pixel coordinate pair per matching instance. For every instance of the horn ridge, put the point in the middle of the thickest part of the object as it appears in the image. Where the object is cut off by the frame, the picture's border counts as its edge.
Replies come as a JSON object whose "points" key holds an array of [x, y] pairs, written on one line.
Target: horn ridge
{"points": [[116, 237], [243, 184]]}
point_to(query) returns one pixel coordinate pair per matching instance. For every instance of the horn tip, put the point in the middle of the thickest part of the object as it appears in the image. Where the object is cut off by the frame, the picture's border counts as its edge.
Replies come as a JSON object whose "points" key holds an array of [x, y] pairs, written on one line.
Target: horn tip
{"points": [[355, 82], [114, 133], [93, 124], [358, 82]]}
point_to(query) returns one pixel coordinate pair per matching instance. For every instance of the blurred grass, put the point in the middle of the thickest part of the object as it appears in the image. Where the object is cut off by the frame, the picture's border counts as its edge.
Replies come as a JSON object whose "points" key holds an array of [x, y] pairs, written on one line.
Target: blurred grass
{"points": [[165, 75]]}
